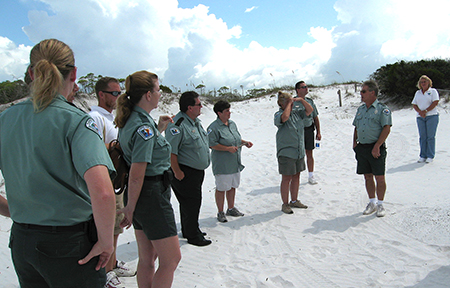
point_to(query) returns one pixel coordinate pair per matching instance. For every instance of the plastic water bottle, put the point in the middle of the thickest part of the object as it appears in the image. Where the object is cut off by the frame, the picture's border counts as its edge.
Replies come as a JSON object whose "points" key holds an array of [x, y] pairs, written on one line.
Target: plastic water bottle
{"points": [[317, 144]]}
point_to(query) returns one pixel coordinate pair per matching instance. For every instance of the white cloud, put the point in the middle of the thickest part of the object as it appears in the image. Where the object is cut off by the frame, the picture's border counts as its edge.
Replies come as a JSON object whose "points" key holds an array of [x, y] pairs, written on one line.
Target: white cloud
{"points": [[13, 59], [191, 46], [251, 9]]}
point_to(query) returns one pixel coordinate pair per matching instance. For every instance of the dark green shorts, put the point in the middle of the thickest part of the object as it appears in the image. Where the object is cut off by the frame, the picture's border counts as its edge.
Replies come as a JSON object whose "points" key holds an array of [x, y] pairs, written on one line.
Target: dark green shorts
{"points": [[50, 259], [289, 166], [309, 138], [154, 213], [367, 164]]}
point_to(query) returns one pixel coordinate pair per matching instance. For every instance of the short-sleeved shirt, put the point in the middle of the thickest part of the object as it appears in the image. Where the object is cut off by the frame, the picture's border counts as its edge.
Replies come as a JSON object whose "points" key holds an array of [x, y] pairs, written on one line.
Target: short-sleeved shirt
{"points": [[424, 100], [290, 134], [43, 158], [308, 120], [189, 141], [105, 123], [224, 162], [141, 142], [370, 121]]}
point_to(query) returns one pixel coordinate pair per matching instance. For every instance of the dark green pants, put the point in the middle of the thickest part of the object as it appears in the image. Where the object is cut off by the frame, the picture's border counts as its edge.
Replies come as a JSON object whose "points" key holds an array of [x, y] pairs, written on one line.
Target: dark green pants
{"points": [[50, 259]]}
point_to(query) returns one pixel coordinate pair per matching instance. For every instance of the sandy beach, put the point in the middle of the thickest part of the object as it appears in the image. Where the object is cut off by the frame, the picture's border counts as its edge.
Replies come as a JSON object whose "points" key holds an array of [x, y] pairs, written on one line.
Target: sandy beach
{"points": [[330, 244]]}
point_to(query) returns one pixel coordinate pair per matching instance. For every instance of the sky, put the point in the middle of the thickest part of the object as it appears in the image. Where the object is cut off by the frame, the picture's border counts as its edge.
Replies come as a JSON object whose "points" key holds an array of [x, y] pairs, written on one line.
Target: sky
{"points": [[246, 43]]}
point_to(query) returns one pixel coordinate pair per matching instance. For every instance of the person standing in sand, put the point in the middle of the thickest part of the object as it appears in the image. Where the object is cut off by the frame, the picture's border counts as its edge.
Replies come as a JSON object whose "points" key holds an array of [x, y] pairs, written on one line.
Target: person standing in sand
{"points": [[290, 148], [425, 101], [372, 123], [311, 123]]}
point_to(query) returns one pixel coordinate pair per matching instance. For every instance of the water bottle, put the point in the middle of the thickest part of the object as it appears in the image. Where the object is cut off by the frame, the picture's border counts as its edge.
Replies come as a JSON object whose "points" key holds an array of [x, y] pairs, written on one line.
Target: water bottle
{"points": [[317, 144]]}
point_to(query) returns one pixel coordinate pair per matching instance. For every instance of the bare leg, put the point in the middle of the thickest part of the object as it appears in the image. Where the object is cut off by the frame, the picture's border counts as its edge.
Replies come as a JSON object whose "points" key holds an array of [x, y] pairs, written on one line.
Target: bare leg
{"points": [[310, 160], [231, 194], [381, 186], [220, 199], [169, 254], [295, 184], [284, 188], [146, 262], [370, 185]]}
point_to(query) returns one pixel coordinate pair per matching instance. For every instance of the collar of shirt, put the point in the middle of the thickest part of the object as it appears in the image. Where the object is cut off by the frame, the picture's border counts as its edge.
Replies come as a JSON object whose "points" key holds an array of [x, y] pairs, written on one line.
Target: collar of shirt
{"points": [[103, 112]]}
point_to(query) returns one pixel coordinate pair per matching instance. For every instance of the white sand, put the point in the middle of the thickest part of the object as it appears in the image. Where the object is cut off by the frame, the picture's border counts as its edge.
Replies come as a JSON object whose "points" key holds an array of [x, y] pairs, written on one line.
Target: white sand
{"points": [[330, 244]]}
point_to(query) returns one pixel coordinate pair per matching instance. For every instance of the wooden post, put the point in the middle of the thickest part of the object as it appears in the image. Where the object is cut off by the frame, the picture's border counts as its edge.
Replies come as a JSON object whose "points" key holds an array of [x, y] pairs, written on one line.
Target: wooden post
{"points": [[340, 99]]}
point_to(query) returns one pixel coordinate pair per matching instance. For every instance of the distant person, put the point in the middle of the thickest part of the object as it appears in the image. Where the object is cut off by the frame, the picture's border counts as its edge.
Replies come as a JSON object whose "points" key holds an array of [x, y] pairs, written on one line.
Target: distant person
{"points": [[311, 123], [189, 159], [57, 175], [290, 148], [147, 198], [107, 89], [226, 142], [425, 102], [372, 123]]}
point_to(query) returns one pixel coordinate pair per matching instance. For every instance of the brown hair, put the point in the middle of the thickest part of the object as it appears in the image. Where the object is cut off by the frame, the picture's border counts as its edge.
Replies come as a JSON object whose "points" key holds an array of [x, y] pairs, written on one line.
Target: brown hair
{"points": [[51, 62], [136, 85]]}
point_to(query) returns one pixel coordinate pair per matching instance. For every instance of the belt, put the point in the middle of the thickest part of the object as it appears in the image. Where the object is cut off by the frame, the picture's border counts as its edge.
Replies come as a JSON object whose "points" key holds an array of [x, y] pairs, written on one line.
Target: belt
{"points": [[155, 178], [74, 228]]}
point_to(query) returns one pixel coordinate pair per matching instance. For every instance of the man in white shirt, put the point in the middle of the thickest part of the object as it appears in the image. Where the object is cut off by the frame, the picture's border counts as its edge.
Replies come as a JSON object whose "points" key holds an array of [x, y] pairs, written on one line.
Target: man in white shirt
{"points": [[107, 90]]}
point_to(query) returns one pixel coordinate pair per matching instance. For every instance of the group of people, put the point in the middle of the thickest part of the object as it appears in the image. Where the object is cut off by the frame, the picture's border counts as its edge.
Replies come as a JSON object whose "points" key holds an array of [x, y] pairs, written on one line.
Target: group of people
{"points": [[66, 216]]}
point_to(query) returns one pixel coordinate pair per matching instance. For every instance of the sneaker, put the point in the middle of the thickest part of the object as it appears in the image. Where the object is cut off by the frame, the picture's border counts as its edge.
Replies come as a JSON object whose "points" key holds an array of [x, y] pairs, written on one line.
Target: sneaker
{"points": [[221, 217], [421, 160], [429, 160], [297, 204], [380, 210], [371, 207], [234, 212], [312, 180], [124, 270], [112, 281], [286, 209]]}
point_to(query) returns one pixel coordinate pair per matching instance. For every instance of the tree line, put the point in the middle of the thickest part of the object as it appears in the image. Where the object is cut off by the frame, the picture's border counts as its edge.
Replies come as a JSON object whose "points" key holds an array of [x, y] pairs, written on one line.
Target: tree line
{"points": [[397, 83]]}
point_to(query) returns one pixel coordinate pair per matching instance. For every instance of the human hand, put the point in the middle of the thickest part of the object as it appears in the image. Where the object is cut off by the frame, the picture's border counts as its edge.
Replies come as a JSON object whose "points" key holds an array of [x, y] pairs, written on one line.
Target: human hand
{"points": [[318, 136], [376, 152], [128, 216], [164, 120], [100, 249]]}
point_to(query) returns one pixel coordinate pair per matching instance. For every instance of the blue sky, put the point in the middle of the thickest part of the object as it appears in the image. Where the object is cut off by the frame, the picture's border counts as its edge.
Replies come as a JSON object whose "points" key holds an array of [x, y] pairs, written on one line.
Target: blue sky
{"points": [[228, 42]]}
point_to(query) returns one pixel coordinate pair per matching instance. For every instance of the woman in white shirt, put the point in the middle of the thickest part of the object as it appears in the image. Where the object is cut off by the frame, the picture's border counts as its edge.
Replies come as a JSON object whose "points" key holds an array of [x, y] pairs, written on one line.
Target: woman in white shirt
{"points": [[425, 102]]}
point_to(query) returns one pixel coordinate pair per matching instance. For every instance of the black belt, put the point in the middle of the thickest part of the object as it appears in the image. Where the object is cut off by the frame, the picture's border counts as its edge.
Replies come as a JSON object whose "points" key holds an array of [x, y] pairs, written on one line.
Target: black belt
{"points": [[155, 178], [74, 228]]}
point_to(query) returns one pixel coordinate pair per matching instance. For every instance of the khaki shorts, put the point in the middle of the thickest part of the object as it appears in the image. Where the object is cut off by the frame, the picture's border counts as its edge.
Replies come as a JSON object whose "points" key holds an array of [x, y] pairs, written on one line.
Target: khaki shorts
{"points": [[225, 182], [119, 205]]}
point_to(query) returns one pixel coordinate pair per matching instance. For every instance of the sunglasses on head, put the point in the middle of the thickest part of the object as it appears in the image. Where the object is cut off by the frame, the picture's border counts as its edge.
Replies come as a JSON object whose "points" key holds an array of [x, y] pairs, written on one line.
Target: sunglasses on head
{"points": [[114, 93]]}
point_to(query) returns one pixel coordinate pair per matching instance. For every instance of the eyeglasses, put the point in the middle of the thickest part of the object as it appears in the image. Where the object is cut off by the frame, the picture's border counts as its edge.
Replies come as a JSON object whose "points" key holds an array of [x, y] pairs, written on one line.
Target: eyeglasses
{"points": [[114, 93], [198, 104], [303, 87]]}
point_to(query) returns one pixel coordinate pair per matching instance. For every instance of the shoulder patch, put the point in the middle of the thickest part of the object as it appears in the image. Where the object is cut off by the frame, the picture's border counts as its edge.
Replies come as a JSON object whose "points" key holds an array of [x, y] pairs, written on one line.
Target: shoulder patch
{"points": [[145, 132], [91, 125], [174, 131], [386, 111]]}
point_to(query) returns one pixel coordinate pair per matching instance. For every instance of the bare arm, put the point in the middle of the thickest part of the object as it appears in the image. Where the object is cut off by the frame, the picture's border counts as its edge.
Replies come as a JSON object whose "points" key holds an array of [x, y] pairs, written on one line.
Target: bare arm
{"points": [[220, 147], [381, 139], [317, 124], [287, 111], [4, 209], [135, 181], [355, 137], [177, 172], [308, 108], [103, 207]]}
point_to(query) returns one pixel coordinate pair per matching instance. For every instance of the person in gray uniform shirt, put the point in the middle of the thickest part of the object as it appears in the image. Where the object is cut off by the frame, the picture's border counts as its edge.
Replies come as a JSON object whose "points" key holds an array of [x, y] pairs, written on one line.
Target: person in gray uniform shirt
{"points": [[372, 123], [189, 159]]}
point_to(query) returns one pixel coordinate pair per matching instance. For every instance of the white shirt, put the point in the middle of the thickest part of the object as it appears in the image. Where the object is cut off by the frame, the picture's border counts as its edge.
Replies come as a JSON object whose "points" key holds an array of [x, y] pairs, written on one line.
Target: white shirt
{"points": [[424, 100], [105, 123]]}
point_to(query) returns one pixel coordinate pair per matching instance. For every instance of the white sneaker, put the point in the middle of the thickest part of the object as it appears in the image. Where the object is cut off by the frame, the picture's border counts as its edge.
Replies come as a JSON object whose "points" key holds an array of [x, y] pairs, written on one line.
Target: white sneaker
{"points": [[371, 207], [112, 281], [312, 180], [421, 160], [124, 270], [429, 160], [380, 210]]}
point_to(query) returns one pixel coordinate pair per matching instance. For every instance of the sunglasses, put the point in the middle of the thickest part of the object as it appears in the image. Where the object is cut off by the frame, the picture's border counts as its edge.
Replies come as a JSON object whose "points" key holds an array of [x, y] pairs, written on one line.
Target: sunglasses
{"points": [[199, 104], [303, 87], [114, 93]]}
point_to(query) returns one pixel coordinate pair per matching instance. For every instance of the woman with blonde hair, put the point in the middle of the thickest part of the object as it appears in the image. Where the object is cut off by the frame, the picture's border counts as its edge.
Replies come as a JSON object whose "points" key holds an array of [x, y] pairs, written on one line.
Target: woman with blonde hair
{"points": [[147, 199], [290, 148], [425, 101], [59, 192]]}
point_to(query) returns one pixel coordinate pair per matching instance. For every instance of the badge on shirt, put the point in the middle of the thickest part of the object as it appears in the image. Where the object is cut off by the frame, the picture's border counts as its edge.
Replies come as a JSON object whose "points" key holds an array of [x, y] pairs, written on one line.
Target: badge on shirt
{"points": [[209, 130], [146, 132], [91, 125], [174, 131], [386, 111]]}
